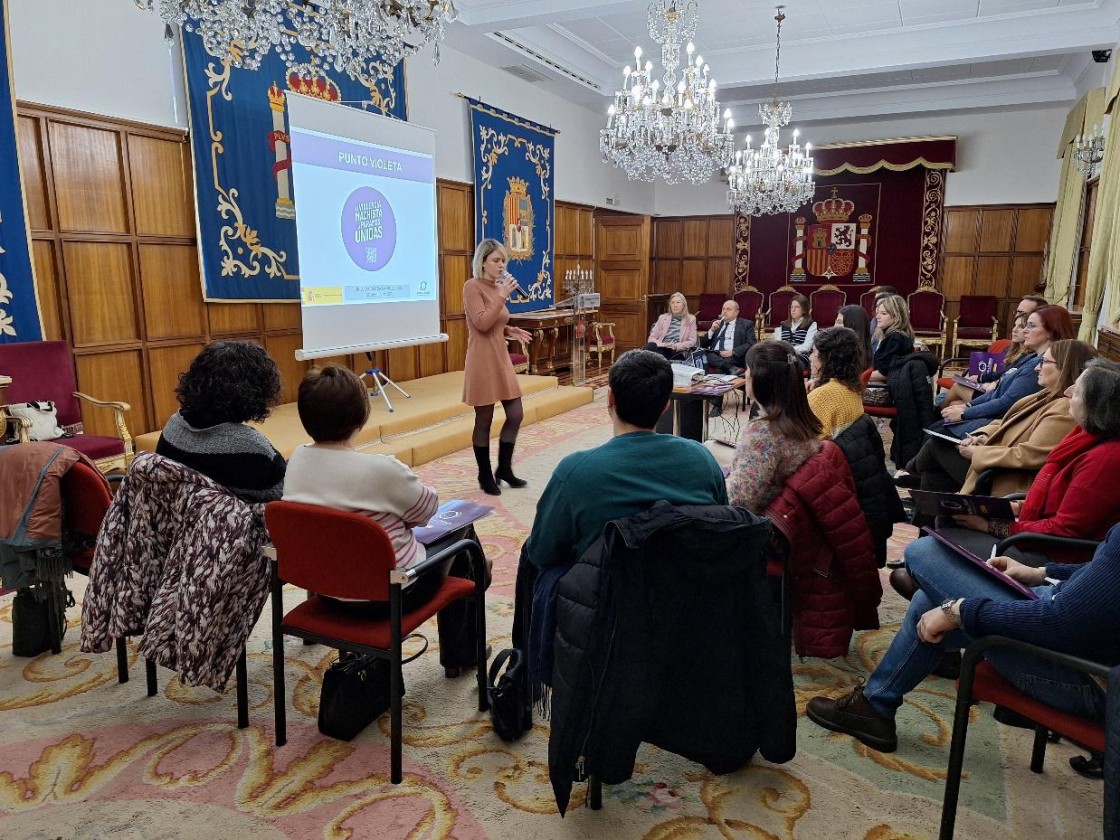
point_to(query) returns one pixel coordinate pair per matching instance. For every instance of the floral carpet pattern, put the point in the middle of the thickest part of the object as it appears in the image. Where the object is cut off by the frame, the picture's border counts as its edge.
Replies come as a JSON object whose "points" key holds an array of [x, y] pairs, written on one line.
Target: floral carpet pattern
{"points": [[82, 756]]}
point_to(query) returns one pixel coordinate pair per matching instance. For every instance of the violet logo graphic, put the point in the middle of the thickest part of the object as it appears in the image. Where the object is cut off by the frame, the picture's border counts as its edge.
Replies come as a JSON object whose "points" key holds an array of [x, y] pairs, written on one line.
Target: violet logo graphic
{"points": [[369, 229]]}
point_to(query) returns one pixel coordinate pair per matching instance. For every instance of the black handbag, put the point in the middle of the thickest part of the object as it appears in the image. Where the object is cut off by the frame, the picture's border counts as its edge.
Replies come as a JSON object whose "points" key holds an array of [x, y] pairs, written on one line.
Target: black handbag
{"points": [[31, 618], [511, 713], [356, 692]]}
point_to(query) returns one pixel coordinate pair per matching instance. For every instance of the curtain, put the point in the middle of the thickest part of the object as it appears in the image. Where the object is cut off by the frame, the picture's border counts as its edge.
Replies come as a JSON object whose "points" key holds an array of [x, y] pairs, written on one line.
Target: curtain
{"points": [[1104, 262]]}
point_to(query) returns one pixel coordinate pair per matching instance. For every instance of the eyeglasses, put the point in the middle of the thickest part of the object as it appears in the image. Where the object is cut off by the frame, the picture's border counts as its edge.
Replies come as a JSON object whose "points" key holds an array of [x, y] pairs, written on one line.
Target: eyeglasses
{"points": [[1049, 362], [1030, 326]]}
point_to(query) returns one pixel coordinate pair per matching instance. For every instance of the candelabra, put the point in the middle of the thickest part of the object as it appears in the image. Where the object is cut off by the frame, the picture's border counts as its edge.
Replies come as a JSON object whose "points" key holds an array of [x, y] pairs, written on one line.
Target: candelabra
{"points": [[579, 281], [1088, 151]]}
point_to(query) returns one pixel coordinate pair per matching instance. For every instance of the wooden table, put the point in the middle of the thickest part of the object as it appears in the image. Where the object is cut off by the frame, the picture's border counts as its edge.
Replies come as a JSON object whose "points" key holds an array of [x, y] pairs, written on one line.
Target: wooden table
{"points": [[703, 391], [551, 347]]}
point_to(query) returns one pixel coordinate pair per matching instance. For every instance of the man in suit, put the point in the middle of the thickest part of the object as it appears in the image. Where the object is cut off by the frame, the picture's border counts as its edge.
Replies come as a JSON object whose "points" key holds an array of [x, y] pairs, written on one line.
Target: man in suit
{"points": [[727, 342]]}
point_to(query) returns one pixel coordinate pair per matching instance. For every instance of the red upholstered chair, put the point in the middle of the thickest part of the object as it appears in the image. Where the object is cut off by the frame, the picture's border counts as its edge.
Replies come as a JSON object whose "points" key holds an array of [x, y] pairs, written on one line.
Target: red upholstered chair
{"points": [[944, 382], [888, 411], [779, 307], [980, 682], [338, 554], [602, 341], [43, 370], [708, 310], [825, 303], [751, 302], [976, 325], [518, 354], [867, 300], [927, 317]]}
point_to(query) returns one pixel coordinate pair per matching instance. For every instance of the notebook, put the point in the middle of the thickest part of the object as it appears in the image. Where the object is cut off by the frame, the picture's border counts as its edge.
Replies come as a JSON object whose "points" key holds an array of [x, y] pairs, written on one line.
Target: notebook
{"points": [[952, 504], [967, 383], [961, 551], [954, 440], [451, 516]]}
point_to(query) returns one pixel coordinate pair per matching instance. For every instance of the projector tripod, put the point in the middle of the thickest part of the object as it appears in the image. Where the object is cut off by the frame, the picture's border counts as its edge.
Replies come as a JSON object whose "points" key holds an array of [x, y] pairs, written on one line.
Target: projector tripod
{"points": [[378, 381]]}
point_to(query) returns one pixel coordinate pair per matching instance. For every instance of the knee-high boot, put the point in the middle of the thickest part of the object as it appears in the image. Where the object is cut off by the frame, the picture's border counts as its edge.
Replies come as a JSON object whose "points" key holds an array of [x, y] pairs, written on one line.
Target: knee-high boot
{"points": [[505, 465], [486, 480]]}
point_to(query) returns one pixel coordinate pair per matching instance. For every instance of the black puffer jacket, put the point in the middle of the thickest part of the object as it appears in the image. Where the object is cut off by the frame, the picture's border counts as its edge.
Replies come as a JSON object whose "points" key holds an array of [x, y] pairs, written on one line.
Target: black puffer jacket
{"points": [[878, 499], [666, 632], [909, 382], [1112, 758]]}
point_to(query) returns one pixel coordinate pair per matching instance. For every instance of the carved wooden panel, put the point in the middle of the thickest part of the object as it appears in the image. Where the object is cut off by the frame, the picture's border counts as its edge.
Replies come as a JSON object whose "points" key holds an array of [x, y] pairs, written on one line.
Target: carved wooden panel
{"points": [[962, 229], [718, 279], [721, 236], [992, 274], [88, 179], [46, 281], [456, 343], [456, 216], [620, 243], [161, 193], [996, 228], [669, 238], [283, 349], [958, 274], [112, 376], [695, 238], [631, 329], [1033, 229], [165, 363], [282, 316], [172, 295], [621, 284], [667, 276], [456, 272], [567, 229], [233, 318], [431, 359], [1026, 273], [402, 365], [99, 292], [586, 231], [694, 276], [33, 174]]}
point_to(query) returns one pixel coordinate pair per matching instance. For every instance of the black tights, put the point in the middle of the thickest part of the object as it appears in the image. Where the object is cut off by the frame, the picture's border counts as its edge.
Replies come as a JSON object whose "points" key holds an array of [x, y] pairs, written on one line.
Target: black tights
{"points": [[484, 419]]}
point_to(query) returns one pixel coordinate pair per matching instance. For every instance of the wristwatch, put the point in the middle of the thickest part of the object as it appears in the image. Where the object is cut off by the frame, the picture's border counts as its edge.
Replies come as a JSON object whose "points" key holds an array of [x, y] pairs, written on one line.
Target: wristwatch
{"points": [[947, 609]]}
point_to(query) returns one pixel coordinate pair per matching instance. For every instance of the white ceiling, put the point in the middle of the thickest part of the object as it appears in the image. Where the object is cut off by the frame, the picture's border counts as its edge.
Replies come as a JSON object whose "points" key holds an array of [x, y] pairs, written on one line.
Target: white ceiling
{"points": [[839, 57]]}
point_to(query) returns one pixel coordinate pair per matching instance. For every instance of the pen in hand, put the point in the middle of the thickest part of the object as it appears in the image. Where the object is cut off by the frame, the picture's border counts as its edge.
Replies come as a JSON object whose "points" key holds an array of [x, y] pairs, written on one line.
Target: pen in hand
{"points": [[992, 556]]}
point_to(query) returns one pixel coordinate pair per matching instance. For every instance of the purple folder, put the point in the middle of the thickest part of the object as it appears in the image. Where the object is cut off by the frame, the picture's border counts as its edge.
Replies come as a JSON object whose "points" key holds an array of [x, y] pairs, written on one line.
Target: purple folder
{"points": [[451, 516], [961, 551]]}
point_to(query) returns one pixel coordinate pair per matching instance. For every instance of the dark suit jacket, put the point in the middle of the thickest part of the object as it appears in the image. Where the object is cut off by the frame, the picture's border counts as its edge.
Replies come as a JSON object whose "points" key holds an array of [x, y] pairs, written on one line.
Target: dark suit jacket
{"points": [[744, 338]]}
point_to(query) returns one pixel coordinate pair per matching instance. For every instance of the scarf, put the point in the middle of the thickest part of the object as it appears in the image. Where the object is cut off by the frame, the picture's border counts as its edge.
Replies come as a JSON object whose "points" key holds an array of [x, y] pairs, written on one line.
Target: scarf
{"points": [[1073, 445]]}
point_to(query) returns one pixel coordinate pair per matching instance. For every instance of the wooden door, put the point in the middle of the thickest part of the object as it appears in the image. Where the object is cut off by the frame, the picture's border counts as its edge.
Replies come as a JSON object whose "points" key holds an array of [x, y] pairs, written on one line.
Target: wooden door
{"points": [[622, 248]]}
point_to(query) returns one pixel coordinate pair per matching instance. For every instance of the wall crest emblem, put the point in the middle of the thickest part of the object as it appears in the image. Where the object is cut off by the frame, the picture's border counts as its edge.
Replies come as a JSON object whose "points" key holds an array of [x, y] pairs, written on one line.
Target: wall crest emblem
{"points": [[517, 220], [833, 247]]}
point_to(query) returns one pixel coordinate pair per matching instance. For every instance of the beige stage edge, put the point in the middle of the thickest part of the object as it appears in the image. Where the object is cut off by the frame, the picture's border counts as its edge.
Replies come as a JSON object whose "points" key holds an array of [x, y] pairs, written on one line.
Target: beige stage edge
{"points": [[433, 423]]}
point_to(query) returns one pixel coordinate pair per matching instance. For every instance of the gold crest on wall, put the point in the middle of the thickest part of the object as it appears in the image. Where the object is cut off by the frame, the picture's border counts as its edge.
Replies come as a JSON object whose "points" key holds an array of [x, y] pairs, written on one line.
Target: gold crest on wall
{"points": [[517, 220]]}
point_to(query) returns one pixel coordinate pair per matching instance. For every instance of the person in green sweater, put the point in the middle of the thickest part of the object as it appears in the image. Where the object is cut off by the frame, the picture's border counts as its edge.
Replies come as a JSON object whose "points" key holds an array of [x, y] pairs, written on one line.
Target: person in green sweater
{"points": [[626, 475]]}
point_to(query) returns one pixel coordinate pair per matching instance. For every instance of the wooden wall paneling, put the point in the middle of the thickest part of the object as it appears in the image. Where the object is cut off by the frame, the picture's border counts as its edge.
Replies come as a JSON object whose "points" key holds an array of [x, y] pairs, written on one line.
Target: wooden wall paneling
{"points": [[173, 306], [619, 242], [99, 292], [282, 316], [1026, 273], [112, 375], [402, 365], [43, 252], [455, 206], [695, 238], [621, 284], [456, 272], [962, 229], [693, 277], [669, 238], [567, 229], [587, 231], [227, 319], [283, 349], [997, 230], [165, 363], [1032, 231], [456, 348], [718, 278], [161, 195], [89, 186], [666, 276], [630, 327], [721, 236], [992, 276], [432, 359], [958, 274], [29, 139]]}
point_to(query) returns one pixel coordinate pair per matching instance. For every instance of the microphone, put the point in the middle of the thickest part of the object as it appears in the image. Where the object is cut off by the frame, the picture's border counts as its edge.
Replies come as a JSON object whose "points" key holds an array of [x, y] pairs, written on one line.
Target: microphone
{"points": [[507, 277]]}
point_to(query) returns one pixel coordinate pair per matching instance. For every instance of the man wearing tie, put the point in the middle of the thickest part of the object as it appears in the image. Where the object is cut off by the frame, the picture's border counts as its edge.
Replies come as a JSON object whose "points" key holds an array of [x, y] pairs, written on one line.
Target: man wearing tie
{"points": [[727, 342]]}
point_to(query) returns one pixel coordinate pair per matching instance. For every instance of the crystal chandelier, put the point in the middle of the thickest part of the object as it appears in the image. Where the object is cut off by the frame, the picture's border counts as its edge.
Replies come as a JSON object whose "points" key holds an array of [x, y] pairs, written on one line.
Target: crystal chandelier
{"points": [[364, 38], [669, 129], [769, 180], [1088, 151]]}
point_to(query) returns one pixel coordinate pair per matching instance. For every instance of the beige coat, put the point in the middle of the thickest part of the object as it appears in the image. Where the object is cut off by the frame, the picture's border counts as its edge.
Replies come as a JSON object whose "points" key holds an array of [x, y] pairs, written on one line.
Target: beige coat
{"points": [[1020, 443]]}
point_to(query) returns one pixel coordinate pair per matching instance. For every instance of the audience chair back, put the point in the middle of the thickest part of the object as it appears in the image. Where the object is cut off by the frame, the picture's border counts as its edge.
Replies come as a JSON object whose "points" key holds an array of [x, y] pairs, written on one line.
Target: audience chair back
{"points": [[825, 303], [751, 302], [867, 301], [976, 325], [927, 318], [708, 310], [778, 310]]}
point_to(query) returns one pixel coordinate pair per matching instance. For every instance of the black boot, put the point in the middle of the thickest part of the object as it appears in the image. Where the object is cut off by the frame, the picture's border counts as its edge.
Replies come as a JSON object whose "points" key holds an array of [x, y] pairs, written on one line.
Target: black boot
{"points": [[486, 480], [505, 465]]}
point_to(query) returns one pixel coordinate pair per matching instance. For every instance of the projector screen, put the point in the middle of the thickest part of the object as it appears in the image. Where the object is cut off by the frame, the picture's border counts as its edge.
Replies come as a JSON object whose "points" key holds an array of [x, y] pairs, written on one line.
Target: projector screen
{"points": [[365, 196]]}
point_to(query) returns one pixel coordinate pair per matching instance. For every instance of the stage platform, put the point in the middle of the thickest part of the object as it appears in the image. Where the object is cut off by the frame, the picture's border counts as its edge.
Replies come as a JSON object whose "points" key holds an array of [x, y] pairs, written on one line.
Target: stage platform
{"points": [[433, 423]]}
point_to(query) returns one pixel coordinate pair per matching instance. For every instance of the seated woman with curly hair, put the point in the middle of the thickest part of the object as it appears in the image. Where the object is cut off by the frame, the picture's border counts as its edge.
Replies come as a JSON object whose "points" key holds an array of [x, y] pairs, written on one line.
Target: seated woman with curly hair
{"points": [[228, 384], [837, 398]]}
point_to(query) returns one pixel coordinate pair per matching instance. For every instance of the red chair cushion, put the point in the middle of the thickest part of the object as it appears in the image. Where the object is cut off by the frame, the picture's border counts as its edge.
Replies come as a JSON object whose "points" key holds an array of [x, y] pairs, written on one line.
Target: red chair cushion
{"points": [[984, 333], [993, 688], [42, 370], [608, 340], [945, 383], [925, 311], [880, 410], [94, 446], [977, 311], [518, 358], [318, 615]]}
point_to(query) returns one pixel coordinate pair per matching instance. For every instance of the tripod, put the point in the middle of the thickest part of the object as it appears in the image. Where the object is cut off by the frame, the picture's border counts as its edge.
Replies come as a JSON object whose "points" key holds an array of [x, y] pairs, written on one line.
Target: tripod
{"points": [[378, 381]]}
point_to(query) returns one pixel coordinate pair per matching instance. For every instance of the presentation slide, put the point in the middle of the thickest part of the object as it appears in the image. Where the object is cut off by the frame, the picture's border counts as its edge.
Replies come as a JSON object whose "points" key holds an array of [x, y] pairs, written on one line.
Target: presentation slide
{"points": [[365, 202]]}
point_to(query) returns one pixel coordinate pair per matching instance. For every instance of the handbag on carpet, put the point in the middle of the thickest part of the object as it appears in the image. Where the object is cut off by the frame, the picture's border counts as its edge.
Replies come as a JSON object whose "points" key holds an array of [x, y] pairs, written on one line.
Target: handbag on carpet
{"points": [[877, 395], [355, 692], [31, 618], [511, 713]]}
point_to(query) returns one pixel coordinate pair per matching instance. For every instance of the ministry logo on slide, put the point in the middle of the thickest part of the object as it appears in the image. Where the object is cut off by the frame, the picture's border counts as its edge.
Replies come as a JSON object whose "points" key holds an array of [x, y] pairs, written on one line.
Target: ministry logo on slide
{"points": [[369, 229]]}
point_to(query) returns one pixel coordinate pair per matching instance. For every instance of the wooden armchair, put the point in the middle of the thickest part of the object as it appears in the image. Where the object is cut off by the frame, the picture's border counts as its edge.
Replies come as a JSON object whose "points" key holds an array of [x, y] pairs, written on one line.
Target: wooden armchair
{"points": [[518, 354], [43, 370], [601, 341]]}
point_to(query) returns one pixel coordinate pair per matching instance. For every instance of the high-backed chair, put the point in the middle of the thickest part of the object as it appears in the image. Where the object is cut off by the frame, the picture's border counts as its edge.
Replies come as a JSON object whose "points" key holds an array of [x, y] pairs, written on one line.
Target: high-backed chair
{"points": [[601, 341], [927, 318], [825, 304], [751, 303], [339, 554], [518, 354], [778, 309], [43, 370], [708, 310], [980, 682], [976, 325], [867, 300]]}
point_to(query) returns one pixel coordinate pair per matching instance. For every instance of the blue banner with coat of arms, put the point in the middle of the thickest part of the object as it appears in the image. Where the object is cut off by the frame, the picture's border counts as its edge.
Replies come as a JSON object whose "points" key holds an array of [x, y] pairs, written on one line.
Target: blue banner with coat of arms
{"points": [[242, 163], [513, 197], [19, 313]]}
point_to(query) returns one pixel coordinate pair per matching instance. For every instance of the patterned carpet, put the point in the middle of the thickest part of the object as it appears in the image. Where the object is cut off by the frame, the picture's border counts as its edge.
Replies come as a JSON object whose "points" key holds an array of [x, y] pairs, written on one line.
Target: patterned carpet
{"points": [[83, 757]]}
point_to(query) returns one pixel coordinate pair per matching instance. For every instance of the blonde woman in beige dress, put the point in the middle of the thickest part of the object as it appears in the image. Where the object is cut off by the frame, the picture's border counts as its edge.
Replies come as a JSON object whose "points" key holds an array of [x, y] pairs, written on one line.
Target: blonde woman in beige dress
{"points": [[488, 373]]}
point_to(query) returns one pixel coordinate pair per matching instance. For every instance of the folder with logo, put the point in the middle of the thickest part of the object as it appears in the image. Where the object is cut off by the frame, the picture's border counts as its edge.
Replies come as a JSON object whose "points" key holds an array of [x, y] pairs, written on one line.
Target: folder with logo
{"points": [[451, 516], [982, 564]]}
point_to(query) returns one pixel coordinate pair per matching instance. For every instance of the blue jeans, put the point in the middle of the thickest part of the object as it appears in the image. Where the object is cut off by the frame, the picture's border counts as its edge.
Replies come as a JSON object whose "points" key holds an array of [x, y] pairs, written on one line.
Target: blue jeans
{"points": [[943, 575]]}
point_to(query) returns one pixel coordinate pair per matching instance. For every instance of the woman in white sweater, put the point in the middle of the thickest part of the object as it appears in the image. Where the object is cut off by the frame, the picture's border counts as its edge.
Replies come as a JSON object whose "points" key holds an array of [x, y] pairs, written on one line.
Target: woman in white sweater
{"points": [[798, 329]]}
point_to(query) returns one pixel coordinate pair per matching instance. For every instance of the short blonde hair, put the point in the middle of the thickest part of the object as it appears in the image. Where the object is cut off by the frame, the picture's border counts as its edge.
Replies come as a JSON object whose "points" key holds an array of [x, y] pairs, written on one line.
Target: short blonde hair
{"points": [[485, 248], [896, 307], [685, 314]]}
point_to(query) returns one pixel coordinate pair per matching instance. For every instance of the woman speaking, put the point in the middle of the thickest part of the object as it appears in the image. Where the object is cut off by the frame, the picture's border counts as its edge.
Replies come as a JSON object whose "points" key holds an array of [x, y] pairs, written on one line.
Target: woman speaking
{"points": [[488, 373]]}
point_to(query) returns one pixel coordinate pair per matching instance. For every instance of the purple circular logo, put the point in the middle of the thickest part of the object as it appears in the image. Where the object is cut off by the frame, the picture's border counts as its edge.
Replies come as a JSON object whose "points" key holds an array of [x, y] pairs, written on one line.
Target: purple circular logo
{"points": [[369, 229]]}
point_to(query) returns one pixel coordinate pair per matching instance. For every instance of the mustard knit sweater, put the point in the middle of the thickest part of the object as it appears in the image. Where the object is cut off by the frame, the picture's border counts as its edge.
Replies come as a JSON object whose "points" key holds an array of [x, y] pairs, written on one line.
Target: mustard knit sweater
{"points": [[836, 406]]}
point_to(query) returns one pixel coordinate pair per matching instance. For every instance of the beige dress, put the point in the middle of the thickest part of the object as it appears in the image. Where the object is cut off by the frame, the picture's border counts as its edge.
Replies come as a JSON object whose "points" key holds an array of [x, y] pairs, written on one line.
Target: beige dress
{"points": [[488, 372]]}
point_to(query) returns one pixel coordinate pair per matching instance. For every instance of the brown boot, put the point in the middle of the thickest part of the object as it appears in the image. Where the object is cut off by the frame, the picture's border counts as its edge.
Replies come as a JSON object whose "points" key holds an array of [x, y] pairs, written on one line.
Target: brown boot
{"points": [[853, 715], [903, 584]]}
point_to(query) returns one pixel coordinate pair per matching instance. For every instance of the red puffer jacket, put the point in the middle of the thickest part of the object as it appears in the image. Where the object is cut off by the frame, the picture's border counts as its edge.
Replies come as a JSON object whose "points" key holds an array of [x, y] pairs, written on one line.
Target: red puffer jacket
{"points": [[836, 587]]}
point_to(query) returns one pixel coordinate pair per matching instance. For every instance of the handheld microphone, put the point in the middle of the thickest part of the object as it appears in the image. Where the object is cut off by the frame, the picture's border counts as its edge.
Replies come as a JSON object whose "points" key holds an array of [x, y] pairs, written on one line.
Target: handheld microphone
{"points": [[507, 277]]}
